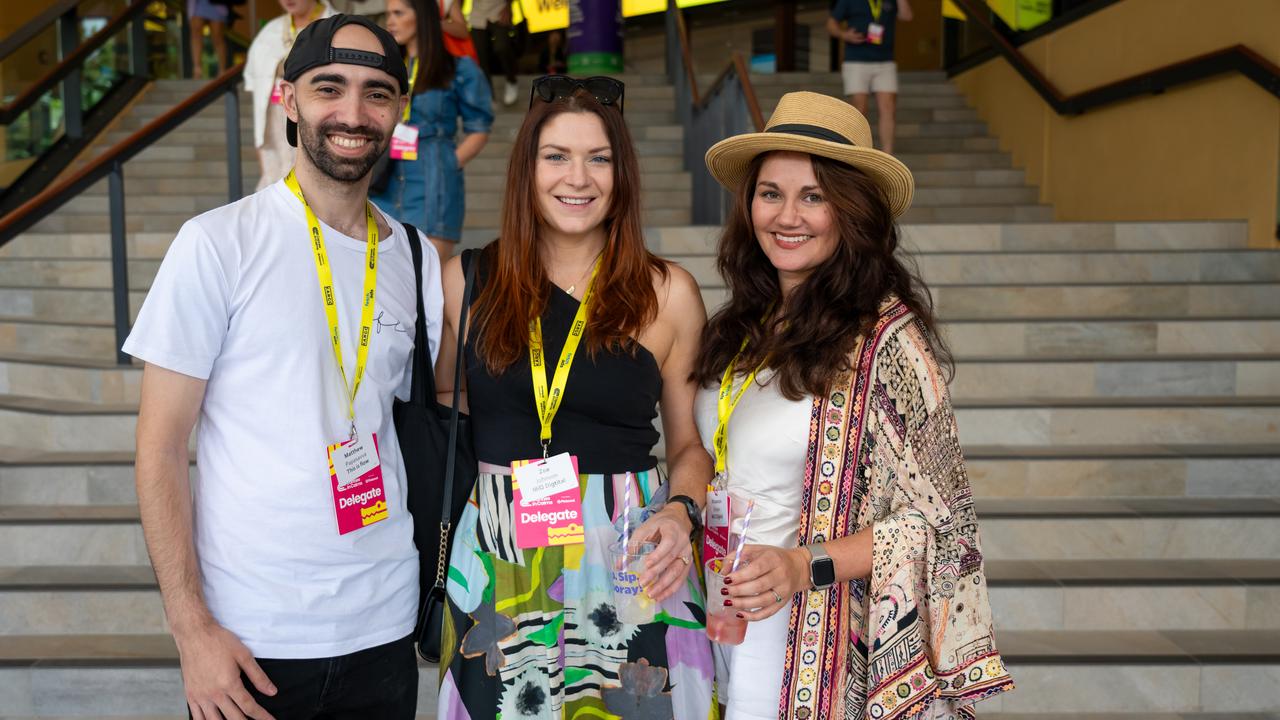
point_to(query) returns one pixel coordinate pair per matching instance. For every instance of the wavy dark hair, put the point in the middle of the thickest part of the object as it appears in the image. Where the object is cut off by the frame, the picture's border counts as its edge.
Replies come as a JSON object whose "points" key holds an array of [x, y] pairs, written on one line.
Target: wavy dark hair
{"points": [[808, 339], [517, 289]]}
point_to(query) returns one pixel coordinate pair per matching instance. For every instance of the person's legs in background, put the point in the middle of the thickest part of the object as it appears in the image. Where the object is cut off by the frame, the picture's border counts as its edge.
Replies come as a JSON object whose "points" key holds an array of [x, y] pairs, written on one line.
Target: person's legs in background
{"points": [[197, 47], [218, 31], [504, 56], [886, 106], [884, 83]]}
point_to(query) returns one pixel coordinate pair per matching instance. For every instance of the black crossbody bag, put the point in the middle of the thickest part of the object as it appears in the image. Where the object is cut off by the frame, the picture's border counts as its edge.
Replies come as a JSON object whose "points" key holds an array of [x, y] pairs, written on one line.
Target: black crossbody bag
{"points": [[437, 492]]}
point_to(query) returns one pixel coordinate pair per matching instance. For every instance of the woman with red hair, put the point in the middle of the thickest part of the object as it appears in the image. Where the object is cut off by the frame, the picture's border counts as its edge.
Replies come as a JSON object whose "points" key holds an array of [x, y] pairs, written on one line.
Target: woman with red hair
{"points": [[533, 629]]}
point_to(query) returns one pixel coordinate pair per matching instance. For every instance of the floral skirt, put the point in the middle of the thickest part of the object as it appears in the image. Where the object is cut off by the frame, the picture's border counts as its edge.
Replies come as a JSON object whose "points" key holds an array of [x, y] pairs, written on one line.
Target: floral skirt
{"points": [[533, 633]]}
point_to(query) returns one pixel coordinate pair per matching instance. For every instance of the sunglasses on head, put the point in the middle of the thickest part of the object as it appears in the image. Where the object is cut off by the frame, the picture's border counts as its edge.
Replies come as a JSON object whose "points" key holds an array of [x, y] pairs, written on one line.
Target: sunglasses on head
{"points": [[606, 90]]}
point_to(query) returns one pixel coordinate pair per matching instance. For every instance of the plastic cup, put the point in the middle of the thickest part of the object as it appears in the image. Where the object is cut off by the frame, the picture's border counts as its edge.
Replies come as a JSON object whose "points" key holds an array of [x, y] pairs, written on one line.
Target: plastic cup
{"points": [[723, 624], [632, 601]]}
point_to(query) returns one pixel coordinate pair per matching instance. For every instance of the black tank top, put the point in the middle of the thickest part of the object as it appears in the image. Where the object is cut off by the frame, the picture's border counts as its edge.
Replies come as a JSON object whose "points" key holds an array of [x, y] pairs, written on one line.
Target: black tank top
{"points": [[606, 417]]}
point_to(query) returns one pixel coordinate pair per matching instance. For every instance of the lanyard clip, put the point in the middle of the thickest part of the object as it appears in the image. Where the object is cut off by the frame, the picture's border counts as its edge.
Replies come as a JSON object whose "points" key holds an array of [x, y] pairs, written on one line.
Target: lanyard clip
{"points": [[546, 448], [353, 430]]}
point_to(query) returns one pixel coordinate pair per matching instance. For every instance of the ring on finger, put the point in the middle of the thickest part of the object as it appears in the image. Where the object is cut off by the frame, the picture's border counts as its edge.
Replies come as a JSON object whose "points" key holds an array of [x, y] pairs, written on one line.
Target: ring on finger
{"points": [[776, 597], [684, 560]]}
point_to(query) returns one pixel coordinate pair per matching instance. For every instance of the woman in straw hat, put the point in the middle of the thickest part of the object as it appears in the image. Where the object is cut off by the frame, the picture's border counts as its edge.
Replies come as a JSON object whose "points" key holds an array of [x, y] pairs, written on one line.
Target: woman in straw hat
{"points": [[825, 404]]}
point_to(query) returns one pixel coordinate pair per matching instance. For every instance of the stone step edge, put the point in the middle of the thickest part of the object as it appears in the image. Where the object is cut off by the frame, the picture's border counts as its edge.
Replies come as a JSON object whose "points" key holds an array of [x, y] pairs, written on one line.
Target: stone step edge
{"points": [[1020, 647], [992, 509], [45, 406], [1000, 573]]}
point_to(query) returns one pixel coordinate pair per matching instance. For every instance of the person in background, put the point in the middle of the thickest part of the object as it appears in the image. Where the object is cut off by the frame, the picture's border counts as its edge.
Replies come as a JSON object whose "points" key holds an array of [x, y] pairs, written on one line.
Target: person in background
{"points": [[426, 187], [533, 628], [553, 60], [204, 13], [491, 33], [868, 32], [863, 587], [262, 78], [457, 36]]}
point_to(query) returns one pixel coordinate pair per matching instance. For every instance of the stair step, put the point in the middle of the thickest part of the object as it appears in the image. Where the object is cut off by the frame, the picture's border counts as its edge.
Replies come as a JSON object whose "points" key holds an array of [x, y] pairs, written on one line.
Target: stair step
{"points": [[978, 214], [1012, 237]]}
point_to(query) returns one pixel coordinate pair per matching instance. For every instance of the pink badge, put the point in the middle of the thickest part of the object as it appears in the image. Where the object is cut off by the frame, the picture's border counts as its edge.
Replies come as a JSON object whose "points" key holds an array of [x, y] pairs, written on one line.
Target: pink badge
{"points": [[356, 473], [555, 519]]}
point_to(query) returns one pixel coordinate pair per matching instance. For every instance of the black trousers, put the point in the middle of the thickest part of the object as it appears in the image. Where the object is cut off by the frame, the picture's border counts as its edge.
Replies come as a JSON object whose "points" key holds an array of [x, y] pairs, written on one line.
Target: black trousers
{"points": [[380, 682], [495, 50]]}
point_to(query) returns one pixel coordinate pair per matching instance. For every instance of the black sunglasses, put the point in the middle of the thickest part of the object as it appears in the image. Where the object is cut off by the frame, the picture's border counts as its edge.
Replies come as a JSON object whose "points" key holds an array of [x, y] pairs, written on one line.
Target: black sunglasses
{"points": [[606, 90]]}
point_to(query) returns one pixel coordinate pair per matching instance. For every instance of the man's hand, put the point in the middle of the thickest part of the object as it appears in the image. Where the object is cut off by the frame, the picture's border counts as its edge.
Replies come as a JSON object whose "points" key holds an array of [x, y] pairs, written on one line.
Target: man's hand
{"points": [[853, 37], [668, 565], [212, 660]]}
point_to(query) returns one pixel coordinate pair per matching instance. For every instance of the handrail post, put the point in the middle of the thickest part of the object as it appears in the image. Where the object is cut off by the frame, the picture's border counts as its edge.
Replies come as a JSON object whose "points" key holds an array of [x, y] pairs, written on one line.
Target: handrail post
{"points": [[184, 47], [119, 259], [235, 180], [138, 46], [72, 107]]}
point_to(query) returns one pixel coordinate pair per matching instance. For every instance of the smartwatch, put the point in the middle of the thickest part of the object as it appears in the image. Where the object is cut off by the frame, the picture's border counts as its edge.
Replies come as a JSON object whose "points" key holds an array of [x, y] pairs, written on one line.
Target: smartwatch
{"points": [[690, 507], [822, 569]]}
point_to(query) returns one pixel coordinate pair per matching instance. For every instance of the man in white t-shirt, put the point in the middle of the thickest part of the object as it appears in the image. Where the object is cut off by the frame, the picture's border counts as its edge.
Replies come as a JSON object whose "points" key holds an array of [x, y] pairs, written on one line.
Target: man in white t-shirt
{"points": [[288, 570]]}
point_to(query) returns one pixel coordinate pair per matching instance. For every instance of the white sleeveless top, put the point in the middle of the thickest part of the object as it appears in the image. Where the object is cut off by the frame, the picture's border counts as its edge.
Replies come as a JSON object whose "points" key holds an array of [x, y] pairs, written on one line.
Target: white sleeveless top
{"points": [[768, 446]]}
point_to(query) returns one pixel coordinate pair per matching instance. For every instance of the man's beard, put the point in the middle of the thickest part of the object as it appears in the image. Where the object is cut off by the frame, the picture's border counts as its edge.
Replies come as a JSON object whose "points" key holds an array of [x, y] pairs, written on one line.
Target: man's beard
{"points": [[342, 169]]}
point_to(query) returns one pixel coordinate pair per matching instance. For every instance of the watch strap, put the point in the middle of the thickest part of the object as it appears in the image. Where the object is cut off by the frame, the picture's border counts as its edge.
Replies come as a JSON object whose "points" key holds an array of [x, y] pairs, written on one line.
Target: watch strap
{"points": [[691, 508]]}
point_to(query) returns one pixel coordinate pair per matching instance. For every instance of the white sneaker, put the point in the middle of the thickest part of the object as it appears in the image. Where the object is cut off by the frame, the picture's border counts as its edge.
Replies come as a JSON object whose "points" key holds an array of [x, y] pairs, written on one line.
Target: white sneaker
{"points": [[510, 94]]}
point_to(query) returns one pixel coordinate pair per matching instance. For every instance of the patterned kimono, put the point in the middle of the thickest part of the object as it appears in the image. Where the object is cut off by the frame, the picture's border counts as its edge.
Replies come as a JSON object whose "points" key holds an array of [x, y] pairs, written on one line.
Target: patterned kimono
{"points": [[915, 639]]}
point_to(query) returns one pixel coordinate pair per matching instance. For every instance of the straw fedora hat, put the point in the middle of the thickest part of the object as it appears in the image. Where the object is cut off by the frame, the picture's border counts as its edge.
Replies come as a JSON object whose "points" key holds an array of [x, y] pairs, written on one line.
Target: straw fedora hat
{"points": [[819, 125]]}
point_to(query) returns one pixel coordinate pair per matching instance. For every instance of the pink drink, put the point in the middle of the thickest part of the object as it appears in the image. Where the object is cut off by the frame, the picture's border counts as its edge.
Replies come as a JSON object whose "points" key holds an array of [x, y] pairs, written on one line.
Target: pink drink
{"points": [[726, 628], [723, 624]]}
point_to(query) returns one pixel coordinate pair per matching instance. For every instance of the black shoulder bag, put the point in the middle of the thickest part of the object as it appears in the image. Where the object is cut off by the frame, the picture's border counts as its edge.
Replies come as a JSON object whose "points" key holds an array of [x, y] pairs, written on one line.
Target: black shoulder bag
{"points": [[437, 492]]}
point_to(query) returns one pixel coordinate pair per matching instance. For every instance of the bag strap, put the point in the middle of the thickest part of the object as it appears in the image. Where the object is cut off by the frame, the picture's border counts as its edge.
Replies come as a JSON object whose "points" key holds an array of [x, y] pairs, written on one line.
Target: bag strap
{"points": [[421, 350], [451, 461]]}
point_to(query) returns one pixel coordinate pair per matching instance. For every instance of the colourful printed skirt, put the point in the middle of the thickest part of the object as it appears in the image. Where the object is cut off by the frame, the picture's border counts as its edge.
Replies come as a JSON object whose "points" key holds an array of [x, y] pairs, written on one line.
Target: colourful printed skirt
{"points": [[533, 633]]}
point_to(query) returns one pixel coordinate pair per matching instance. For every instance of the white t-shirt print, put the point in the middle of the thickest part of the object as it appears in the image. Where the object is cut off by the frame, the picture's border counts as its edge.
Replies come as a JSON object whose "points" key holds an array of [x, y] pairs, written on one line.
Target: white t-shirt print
{"points": [[237, 302]]}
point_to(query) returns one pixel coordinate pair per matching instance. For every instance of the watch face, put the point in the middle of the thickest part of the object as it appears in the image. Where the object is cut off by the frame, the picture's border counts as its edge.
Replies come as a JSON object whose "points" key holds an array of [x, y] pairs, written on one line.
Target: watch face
{"points": [[824, 572]]}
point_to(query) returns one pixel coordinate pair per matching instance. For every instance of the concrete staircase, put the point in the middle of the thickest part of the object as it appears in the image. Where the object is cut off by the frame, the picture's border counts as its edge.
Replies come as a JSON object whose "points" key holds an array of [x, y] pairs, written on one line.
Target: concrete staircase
{"points": [[1118, 392]]}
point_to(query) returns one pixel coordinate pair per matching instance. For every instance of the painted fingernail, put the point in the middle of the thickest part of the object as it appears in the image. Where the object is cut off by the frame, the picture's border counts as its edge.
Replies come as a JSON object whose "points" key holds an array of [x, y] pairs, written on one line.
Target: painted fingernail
{"points": [[728, 603], [723, 591], [728, 581], [740, 615]]}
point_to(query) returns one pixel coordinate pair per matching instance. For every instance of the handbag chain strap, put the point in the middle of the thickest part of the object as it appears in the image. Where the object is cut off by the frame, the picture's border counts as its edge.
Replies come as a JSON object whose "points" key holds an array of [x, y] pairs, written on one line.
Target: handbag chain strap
{"points": [[446, 523]]}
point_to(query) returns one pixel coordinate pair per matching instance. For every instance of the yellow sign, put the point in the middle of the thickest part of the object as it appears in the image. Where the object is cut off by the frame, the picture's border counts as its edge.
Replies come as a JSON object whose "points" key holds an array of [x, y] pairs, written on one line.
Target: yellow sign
{"points": [[544, 15]]}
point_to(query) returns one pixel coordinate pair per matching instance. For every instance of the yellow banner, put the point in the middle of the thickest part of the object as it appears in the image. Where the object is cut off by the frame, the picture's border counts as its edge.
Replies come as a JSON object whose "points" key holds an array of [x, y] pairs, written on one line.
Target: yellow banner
{"points": [[544, 15], [951, 10]]}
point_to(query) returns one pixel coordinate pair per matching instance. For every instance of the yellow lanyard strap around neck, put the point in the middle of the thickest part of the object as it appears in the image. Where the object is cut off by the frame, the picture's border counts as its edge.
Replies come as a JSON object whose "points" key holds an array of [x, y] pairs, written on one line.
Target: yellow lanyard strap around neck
{"points": [[413, 78], [316, 12], [726, 402], [548, 399], [876, 7], [329, 296]]}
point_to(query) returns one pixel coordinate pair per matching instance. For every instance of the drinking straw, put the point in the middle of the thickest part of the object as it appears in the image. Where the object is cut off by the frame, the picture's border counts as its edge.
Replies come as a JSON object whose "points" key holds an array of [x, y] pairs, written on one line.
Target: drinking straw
{"points": [[626, 513], [746, 523]]}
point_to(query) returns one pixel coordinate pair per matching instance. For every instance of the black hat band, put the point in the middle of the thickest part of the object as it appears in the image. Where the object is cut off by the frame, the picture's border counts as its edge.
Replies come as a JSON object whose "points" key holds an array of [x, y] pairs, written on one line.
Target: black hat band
{"points": [[813, 131]]}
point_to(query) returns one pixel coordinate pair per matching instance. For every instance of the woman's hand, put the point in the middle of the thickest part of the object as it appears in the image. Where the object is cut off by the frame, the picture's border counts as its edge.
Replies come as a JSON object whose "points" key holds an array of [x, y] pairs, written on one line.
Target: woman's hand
{"points": [[770, 573], [668, 565]]}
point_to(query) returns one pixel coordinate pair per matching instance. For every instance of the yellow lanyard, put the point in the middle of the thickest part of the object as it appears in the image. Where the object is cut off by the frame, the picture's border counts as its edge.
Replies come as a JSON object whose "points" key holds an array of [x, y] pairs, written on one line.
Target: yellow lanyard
{"points": [[329, 296], [316, 12], [726, 403], [413, 77], [876, 7], [548, 400]]}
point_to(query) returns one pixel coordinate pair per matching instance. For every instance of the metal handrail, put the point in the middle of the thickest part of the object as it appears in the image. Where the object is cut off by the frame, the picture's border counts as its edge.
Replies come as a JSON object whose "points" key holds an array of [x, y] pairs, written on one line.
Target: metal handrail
{"points": [[111, 166], [35, 26], [728, 107], [72, 62], [1236, 58]]}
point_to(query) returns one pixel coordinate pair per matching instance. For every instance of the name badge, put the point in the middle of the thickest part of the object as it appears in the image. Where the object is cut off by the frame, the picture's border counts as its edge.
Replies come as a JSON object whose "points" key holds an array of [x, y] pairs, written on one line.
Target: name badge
{"points": [[547, 502], [875, 33], [277, 95], [715, 535], [404, 142], [355, 471]]}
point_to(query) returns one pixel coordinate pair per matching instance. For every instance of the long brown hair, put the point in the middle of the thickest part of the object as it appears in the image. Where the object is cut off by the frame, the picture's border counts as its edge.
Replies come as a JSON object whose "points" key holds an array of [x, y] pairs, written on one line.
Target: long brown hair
{"points": [[436, 66], [516, 287], [807, 340]]}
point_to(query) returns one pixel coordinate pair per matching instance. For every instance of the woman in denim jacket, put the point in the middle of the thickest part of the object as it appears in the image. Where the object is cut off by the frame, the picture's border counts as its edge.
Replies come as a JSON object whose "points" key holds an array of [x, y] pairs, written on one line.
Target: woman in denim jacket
{"points": [[428, 190]]}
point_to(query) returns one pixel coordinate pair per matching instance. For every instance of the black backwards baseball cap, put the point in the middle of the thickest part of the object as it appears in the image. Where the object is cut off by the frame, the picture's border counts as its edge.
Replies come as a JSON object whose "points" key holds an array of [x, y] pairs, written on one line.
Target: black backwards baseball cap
{"points": [[314, 48]]}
